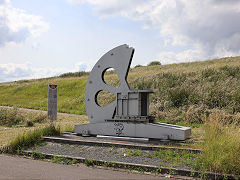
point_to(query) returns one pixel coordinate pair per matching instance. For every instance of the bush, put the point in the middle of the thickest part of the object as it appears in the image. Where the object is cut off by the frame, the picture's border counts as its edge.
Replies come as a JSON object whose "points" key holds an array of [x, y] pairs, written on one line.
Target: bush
{"points": [[74, 74], [39, 118], [29, 123], [10, 117], [13, 117], [154, 63], [179, 96], [138, 66], [231, 71], [142, 84]]}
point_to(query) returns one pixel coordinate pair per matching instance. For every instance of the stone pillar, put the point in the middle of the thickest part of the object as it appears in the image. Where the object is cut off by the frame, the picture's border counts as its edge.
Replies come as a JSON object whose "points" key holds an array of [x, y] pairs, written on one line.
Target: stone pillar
{"points": [[52, 101]]}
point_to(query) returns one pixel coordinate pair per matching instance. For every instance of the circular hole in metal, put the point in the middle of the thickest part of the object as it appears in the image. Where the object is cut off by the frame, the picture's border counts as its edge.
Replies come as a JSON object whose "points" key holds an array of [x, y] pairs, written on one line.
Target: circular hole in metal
{"points": [[110, 77], [104, 98]]}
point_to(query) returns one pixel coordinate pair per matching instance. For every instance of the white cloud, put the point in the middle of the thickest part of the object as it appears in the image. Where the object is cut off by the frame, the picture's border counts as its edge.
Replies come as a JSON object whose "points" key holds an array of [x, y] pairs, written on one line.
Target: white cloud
{"points": [[184, 56], [16, 25], [80, 66], [209, 28], [13, 72]]}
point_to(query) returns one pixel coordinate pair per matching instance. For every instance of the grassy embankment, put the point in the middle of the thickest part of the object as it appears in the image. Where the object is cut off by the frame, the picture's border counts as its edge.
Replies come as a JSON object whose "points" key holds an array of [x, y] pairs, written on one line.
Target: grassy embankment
{"points": [[33, 94], [186, 92], [189, 93]]}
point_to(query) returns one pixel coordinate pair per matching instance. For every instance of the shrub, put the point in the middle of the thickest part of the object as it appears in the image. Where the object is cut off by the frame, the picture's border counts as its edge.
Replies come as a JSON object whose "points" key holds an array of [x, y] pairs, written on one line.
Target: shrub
{"points": [[154, 63], [13, 117], [196, 114], [216, 98], [29, 123], [179, 96], [39, 118], [138, 66], [169, 80], [74, 74], [231, 71], [140, 83], [207, 73], [10, 117]]}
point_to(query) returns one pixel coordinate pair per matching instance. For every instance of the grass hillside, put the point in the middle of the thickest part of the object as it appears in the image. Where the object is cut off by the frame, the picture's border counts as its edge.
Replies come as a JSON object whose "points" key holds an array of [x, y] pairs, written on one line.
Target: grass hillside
{"points": [[33, 94], [183, 92]]}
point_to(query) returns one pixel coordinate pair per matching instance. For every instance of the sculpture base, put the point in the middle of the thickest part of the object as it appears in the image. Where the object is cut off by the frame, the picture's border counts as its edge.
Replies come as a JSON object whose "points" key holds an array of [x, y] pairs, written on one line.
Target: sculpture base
{"points": [[161, 131]]}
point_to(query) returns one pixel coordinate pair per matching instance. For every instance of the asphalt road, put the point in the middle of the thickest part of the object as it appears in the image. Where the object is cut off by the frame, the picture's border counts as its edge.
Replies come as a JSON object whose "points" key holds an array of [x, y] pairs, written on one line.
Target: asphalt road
{"points": [[12, 167]]}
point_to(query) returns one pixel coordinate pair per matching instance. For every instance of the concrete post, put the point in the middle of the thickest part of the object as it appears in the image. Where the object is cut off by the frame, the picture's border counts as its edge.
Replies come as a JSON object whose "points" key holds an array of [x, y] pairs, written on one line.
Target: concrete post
{"points": [[52, 101]]}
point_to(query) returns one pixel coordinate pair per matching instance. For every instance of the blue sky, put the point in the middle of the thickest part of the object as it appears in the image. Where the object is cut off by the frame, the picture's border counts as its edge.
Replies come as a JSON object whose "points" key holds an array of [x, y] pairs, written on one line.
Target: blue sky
{"points": [[44, 38]]}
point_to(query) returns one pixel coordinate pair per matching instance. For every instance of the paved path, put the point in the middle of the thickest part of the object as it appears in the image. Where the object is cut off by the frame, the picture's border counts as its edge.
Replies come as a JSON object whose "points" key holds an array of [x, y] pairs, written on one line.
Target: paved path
{"points": [[38, 110], [12, 167]]}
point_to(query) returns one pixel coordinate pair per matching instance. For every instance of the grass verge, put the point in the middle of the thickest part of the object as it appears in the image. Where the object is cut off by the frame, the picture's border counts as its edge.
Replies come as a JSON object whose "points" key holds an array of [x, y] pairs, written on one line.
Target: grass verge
{"points": [[38, 119], [221, 149], [30, 138]]}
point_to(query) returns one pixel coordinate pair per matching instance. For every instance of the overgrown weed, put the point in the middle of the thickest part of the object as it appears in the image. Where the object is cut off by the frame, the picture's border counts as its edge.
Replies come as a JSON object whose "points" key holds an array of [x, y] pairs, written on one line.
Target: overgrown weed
{"points": [[221, 150], [61, 160], [12, 116]]}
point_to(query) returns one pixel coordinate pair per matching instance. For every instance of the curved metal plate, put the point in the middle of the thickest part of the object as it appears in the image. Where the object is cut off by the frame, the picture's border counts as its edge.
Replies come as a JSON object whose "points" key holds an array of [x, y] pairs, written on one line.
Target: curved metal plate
{"points": [[118, 58]]}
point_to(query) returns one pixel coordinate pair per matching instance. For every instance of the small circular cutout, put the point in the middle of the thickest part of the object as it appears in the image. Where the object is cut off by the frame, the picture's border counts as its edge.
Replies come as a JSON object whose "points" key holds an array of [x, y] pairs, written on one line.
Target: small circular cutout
{"points": [[110, 77]]}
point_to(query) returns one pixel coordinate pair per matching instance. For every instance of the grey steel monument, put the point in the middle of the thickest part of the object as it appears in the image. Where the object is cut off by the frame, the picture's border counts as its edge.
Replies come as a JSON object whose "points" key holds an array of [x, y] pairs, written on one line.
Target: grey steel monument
{"points": [[128, 115]]}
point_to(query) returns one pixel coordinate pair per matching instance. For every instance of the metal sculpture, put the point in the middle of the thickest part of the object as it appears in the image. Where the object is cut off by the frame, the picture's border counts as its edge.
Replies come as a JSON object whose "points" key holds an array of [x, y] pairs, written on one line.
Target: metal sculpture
{"points": [[128, 115]]}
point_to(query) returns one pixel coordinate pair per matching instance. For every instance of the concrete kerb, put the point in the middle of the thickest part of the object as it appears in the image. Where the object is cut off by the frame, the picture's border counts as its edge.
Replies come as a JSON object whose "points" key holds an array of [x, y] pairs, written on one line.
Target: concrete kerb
{"points": [[143, 168], [110, 144]]}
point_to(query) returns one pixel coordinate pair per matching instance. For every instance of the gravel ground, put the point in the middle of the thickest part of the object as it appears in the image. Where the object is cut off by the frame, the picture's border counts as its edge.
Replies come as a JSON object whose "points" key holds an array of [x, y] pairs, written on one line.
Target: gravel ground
{"points": [[167, 158], [185, 143]]}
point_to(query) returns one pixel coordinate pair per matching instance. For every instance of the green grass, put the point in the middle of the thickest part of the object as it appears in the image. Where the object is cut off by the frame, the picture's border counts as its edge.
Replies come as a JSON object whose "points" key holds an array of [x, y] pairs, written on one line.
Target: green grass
{"points": [[61, 160], [30, 138], [175, 158], [37, 155], [221, 151], [33, 94], [129, 152]]}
